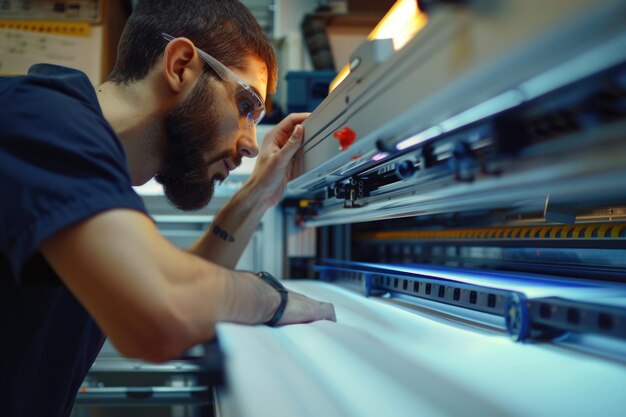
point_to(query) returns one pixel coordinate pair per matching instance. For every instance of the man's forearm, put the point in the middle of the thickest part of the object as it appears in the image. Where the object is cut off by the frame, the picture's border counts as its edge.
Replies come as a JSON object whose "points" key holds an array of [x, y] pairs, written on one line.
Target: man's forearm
{"points": [[243, 298], [231, 230], [151, 299]]}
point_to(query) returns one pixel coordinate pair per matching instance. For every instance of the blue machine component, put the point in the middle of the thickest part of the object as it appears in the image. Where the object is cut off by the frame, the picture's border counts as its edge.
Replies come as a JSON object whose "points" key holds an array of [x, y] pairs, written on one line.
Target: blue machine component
{"points": [[530, 308], [367, 285], [516, 317]]}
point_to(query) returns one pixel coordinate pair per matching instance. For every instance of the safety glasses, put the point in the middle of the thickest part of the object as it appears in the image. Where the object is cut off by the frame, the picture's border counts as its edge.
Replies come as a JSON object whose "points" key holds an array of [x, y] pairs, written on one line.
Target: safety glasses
{"points": [[249, 104]]}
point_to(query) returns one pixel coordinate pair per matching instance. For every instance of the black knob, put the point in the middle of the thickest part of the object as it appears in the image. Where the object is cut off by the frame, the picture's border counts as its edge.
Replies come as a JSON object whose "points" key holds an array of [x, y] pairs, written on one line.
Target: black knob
{"points": [[405, 169], [382, 146]]}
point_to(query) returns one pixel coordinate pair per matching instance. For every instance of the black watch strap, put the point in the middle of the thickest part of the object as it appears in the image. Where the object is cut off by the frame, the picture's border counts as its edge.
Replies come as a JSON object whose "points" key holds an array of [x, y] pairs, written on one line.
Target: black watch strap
{"points": [[271, 280]]}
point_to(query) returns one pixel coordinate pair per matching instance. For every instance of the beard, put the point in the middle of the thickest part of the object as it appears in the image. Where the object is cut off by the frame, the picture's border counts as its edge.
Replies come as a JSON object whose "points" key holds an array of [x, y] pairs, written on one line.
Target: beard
{"points": [[191, 131]]}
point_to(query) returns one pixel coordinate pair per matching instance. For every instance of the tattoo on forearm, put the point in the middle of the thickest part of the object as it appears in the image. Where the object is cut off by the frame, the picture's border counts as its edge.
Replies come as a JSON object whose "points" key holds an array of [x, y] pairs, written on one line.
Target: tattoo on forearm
{"points": [[222, 234]]}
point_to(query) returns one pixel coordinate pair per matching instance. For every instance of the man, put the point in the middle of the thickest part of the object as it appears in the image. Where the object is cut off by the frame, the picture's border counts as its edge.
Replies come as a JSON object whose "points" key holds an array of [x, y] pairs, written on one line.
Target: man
{"points": [[79, 256]]}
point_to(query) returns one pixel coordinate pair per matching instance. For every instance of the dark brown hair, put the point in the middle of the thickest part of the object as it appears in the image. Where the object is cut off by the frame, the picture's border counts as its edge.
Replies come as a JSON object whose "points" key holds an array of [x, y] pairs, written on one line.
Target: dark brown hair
{"points": [[225, 29]]}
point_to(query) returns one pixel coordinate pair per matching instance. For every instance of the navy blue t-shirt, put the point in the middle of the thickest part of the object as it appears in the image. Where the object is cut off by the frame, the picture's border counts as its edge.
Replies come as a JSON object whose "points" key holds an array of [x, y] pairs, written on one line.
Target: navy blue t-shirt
{"points": [[60, 163]]}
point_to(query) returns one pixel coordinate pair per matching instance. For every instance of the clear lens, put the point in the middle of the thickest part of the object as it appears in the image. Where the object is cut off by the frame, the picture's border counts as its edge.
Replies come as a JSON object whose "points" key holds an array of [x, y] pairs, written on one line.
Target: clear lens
{"points": [[257, 107]]}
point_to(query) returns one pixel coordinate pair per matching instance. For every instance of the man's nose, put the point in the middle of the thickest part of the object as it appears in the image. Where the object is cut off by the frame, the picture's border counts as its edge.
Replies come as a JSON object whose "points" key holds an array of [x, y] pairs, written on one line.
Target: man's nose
{"points": [[247, 145]]}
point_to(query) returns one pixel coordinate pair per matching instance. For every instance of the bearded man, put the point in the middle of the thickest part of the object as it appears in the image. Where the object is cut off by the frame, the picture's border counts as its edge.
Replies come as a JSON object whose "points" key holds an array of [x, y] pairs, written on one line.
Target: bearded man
{"points": [[80, 259]]}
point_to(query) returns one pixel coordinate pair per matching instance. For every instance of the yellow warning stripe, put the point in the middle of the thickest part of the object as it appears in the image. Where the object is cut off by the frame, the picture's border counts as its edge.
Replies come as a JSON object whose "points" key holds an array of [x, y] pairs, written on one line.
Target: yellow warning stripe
{"points": [[544, 231], [48, 27], [602, 230], [617, 230], [565, 232], [580, 231]]}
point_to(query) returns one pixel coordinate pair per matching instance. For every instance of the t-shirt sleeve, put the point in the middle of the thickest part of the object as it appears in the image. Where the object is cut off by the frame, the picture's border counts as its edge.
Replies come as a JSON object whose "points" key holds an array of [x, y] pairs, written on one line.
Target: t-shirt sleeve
{"points": [[60, 163]]}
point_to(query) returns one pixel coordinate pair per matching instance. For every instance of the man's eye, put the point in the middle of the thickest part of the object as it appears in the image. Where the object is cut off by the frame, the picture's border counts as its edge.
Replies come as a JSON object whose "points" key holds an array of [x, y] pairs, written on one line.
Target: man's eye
{"points": [[245, 107]]}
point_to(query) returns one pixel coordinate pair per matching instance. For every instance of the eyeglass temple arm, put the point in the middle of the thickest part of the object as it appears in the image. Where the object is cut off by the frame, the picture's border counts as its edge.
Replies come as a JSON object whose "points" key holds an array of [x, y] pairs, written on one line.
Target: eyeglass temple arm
{"points": [[219, 68]]}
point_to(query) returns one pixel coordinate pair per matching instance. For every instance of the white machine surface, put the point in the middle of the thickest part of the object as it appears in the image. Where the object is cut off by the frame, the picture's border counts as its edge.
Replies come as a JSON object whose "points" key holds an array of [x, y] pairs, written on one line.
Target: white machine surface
{"points": [[381, 359]]}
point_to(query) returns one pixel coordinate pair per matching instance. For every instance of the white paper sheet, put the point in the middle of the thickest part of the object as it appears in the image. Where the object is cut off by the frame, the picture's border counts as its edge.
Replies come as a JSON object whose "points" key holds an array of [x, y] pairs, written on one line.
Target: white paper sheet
{"points": [[379, 360]]}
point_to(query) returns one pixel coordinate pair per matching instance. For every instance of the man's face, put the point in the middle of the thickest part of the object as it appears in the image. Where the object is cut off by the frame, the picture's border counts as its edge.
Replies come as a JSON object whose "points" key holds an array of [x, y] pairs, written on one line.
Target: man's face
{"points": [[205, 138]]}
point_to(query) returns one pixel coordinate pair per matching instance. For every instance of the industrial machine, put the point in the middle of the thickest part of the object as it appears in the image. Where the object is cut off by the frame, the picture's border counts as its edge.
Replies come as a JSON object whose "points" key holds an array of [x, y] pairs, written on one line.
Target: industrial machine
{"points": [[465, 184]]}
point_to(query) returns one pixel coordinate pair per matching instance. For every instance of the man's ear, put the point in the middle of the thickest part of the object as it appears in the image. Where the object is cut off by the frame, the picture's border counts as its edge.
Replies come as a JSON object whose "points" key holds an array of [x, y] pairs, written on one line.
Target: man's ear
{"points": [[181, 65]]}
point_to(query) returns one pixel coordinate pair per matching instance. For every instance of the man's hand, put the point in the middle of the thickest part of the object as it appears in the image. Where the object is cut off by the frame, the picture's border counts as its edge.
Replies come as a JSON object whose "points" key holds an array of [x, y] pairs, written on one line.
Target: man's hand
{"points": [[299, 308], [302, 309], [273, 167]]}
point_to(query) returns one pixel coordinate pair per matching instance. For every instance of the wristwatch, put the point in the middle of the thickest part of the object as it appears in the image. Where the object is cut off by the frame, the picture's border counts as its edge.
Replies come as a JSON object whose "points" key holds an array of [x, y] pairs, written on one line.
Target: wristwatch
{"points": [[271, 280]]}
